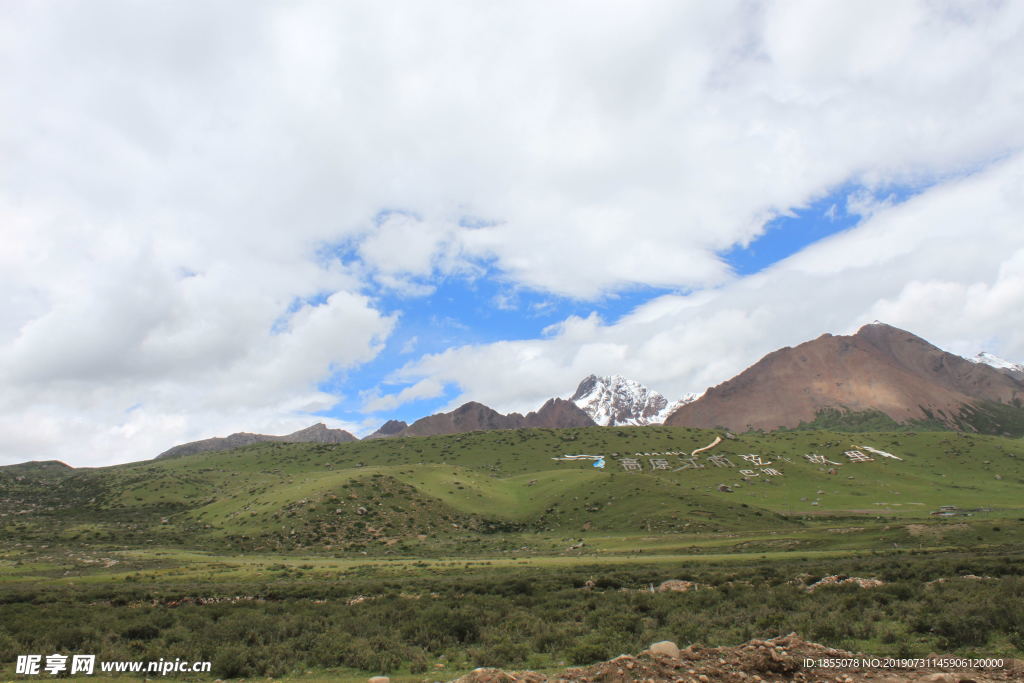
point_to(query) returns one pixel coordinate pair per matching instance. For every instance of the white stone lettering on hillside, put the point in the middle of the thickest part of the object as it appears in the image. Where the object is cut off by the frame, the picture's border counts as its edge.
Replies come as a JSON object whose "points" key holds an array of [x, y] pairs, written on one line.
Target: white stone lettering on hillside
{"points": [[635, 464], [857, 456], [884, 454], [690, 464], [816, 459]]}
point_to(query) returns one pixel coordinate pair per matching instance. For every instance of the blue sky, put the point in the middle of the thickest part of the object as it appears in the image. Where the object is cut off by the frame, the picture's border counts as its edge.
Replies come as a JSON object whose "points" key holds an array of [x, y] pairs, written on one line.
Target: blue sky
{"points": [[487, 308], [799, 227]]}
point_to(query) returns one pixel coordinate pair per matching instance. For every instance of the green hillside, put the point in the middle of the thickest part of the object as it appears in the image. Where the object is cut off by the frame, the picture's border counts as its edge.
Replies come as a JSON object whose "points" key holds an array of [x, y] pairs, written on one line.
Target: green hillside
{"points": [[433, 555], [469, 492]]}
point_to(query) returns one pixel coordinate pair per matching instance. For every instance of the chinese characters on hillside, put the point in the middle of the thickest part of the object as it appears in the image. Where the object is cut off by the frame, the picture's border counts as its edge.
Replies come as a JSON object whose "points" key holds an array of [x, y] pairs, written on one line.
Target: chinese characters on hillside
{"points": [[756, 465]]}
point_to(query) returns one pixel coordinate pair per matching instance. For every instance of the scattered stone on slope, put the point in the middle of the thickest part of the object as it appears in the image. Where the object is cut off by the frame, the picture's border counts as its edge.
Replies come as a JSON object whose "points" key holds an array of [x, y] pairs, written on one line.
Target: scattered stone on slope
{"points": [[678, 585], [837, 580]]}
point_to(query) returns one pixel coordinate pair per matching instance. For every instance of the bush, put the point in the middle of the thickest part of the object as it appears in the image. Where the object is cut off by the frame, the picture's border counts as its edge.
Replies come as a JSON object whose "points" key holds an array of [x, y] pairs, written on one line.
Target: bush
{"points": [[234, 662], [588, 653]]}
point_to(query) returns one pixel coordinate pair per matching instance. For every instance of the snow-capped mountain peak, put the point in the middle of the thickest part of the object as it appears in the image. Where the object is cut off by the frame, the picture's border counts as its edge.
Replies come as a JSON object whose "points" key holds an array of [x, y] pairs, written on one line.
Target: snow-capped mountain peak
{"points": [[615, 400], [992, 360]]}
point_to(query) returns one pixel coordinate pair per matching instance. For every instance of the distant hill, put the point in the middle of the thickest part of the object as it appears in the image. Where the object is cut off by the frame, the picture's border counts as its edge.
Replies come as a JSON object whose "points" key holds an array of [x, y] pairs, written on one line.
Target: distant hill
{"points": [[556, 413], [318, 433], [37, 470], [880, 369]]}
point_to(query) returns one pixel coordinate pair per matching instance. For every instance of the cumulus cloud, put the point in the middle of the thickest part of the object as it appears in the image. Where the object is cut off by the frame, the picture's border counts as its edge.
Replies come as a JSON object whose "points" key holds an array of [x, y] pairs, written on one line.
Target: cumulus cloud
{"points": [[947, 265], [427, 388], [191, 202], [109, 392]]}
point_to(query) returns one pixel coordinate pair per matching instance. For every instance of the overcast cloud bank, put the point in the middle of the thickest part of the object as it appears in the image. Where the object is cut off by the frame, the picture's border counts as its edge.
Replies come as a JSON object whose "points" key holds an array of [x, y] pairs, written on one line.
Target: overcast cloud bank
{"points": [[199, 211]]}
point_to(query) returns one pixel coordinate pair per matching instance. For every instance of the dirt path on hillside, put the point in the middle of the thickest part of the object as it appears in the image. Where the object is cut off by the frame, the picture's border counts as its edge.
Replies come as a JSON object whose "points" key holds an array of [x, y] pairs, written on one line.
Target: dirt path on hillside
{"points": [[787, 658]]}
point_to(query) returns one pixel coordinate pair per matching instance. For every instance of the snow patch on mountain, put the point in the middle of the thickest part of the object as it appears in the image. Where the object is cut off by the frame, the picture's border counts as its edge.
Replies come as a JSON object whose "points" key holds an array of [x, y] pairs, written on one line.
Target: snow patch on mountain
{"points": [[996, 362], [615, 400], [674, 406]]}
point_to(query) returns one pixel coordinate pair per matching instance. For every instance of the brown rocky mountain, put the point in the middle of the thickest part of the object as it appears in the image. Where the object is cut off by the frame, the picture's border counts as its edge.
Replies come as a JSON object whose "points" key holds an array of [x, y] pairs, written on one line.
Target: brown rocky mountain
{"points": [[880, 368], [389, 428], [557, 413], [318, 433], [470, 417]]}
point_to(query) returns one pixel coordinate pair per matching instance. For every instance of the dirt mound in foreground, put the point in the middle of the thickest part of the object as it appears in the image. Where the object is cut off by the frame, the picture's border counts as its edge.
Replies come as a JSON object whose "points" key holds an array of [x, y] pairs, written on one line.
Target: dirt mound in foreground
{"points": [[778, 659]]}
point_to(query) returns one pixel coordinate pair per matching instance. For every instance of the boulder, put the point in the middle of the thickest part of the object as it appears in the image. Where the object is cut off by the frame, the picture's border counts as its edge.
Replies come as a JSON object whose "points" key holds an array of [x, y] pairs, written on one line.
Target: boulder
{"points": [[666, 648]]}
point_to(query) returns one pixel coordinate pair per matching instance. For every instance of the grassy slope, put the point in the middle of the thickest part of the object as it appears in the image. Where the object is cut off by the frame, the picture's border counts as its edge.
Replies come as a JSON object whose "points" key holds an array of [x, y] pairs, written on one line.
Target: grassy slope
{"points": [[467, 489], [469, 528]]}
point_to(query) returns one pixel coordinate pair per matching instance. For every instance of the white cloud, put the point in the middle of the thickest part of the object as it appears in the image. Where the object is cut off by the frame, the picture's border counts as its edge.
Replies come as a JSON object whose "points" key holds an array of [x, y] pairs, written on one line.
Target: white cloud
{"points": [[427, 388], [947, 265], [170, 174], [409, 345], [610, 147]]}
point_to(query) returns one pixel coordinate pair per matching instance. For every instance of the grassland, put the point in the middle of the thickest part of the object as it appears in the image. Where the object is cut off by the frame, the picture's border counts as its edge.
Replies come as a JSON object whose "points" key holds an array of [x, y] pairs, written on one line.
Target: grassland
{"points": [[404, 555]]}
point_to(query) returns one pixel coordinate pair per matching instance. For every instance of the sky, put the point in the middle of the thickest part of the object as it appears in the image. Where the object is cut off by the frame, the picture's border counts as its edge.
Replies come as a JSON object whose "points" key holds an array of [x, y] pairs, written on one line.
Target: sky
{"points": [[254, 217]]}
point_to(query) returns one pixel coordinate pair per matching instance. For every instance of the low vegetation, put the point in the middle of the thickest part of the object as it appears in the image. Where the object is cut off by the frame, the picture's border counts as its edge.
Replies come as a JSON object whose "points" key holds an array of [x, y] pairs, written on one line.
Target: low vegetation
{"points": [[426, 557], [452, 618]]}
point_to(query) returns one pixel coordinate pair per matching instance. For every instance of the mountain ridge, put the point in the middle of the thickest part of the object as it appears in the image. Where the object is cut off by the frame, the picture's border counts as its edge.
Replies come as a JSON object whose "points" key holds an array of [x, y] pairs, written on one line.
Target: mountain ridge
{"points": [[880, 368], [556, 413], [316, 433]]}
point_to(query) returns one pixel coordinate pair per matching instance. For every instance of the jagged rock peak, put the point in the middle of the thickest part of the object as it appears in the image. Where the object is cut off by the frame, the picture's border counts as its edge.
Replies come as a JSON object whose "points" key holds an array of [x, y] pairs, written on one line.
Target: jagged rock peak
{"points": [[389, 428], [616, 400], [318, 433]]}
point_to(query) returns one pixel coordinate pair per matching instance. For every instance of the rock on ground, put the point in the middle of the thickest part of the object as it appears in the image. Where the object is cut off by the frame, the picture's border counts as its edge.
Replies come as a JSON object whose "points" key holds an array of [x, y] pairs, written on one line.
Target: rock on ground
{"points": [[757, 661]]}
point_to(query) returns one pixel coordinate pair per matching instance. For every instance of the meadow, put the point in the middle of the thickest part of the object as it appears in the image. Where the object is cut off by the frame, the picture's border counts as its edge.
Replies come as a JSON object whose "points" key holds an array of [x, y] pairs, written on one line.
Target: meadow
{"points": [[425, 557]]}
